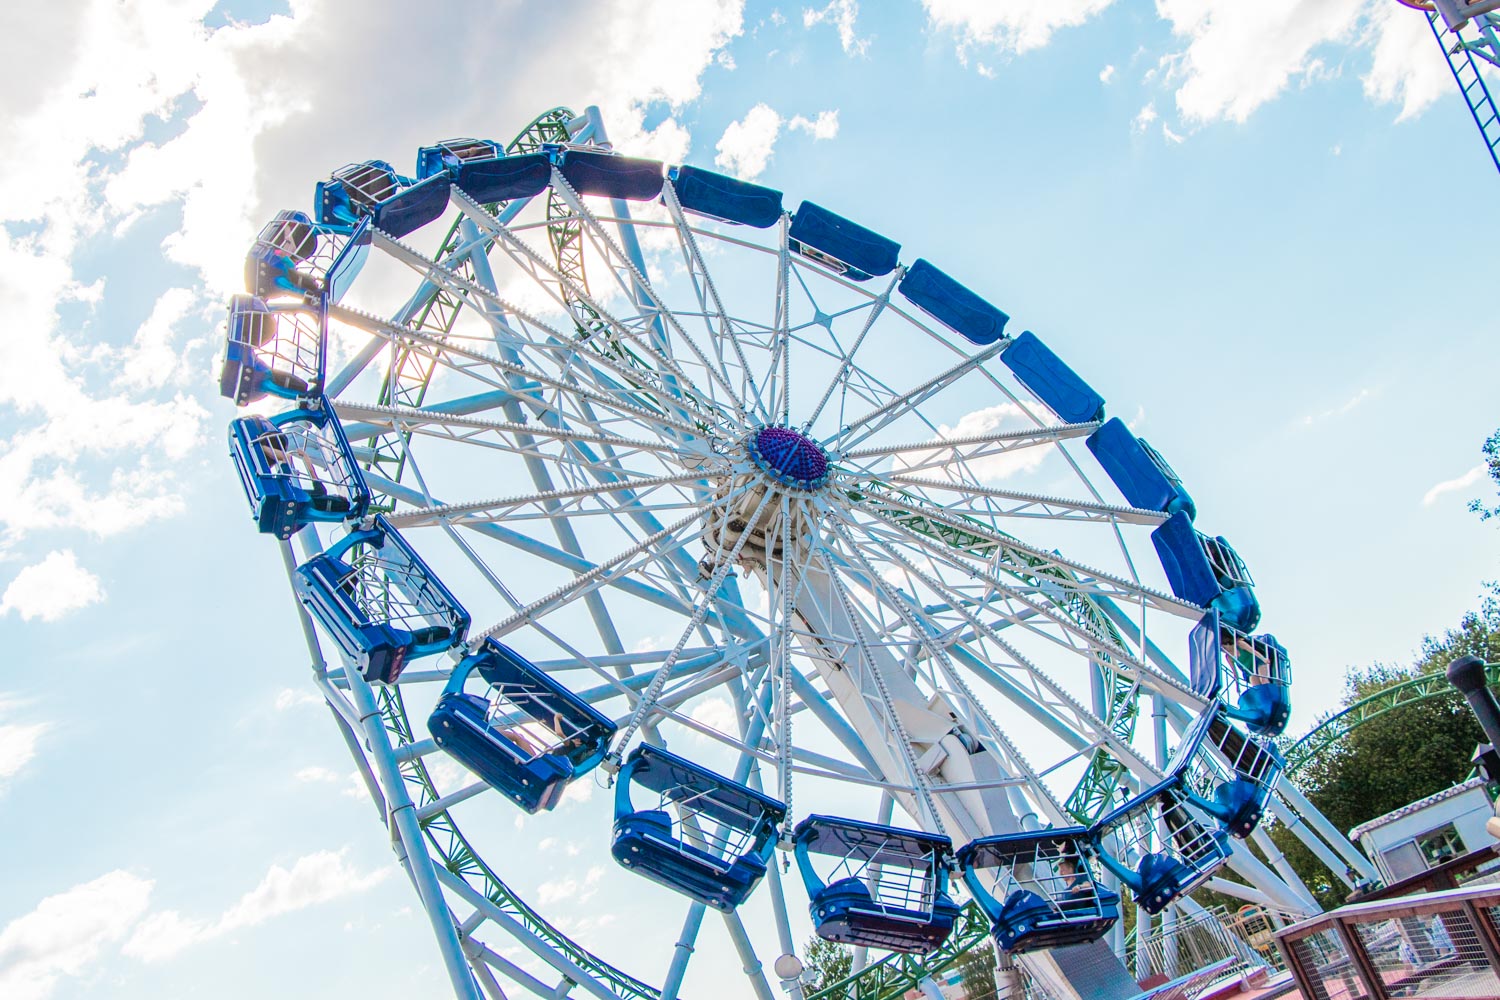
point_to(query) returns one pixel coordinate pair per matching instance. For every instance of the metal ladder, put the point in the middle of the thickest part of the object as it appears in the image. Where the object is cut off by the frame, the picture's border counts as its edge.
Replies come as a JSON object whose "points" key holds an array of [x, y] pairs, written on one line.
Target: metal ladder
{"points": [[1466, 72]]}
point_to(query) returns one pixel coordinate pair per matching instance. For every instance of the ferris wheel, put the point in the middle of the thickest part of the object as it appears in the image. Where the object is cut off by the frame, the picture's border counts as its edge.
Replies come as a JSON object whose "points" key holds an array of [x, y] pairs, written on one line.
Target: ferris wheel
{"points": [[591, 469]]}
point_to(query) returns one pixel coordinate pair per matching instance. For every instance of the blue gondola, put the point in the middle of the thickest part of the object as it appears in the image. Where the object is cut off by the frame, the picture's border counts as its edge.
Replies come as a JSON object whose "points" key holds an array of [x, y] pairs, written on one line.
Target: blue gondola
{"points": [[479, 169], [952, 304], [1207, 572], [845, 247], [1054, 383], [716, 847], [374, 190], [1157, 873], [1250, 674], [447, 156], [380, 602], [610, 176], [272, 350], [1138, 469], [1039, 890], [887, 888], [1225, 773], [297, 468], [727, 199], [283, 259], [528, 738]]}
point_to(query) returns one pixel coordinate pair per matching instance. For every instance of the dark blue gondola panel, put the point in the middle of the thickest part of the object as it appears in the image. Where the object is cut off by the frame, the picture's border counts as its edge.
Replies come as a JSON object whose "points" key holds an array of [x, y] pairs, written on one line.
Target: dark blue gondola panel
{"points": [[297, 468], [380, 602], [527, 737], [727, 199], [1138, 469], [705, 836], [1206, 571], [1225, 773], [374, 190], [609, 176], [1159, 871], [1054, 383], [272, 350], [952, 304], [1252, 674], [837, 243], [876, 886], [1039, 890]]}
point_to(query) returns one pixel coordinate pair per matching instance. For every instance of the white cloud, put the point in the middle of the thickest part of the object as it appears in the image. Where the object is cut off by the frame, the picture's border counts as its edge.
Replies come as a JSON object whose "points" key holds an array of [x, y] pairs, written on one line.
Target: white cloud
{"points": [[18, 746], [746, 146], [824, 126], [316, 775], [1016, 25], [1455, 485], [51, 589], [1144, 118], [1340, 410], [65, 934], [289, 698], [1235, 56], [251, 121], [312, 879], [152, 360], [842, 14], [1107, 74], [717, 714], [986, 468]]}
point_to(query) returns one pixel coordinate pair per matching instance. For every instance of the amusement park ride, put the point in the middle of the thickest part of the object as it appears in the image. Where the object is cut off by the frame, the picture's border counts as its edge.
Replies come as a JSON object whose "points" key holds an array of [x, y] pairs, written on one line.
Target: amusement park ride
{"points": [[534, 518]]}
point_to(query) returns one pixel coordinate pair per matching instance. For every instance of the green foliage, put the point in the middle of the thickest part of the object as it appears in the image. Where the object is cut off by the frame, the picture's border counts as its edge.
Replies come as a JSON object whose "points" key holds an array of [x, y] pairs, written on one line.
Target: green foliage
{"points": [[1492, 464], [1406, 754], [829, 962], [976, 972]]}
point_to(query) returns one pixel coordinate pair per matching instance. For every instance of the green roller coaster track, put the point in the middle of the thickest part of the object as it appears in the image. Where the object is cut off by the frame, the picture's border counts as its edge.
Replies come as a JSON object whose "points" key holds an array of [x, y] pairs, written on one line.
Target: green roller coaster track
{"points": [[1331, 730], [406, 384]]}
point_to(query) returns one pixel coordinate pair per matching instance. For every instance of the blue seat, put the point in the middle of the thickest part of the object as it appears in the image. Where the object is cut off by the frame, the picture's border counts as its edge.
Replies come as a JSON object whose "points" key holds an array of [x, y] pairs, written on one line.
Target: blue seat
{"points": [[1206, 571], [1054, 383], [886, 887], [527, 741], [297, 468], [717, 850], [379, 601], [1224, 773], [835, 242], [272, 351], [1138, 470], [1192, 852], [279, 262], [1264, 708], [952, 304], [1040, 889], [727, 199], [374, 190], [610, 176]]}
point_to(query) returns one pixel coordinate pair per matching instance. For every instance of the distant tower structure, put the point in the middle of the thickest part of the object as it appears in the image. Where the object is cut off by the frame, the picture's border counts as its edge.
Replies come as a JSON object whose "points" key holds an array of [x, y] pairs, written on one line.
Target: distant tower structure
{"points": [[1466, 30]]}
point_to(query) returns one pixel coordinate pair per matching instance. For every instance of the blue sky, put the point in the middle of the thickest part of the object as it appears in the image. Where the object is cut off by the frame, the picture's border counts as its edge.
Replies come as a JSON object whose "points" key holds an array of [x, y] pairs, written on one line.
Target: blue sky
{"points": [[1257, 229]]}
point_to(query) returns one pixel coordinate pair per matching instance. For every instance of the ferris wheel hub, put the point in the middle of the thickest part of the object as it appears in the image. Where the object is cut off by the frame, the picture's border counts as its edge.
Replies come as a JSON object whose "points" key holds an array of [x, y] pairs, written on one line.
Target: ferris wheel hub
{"points": [[790, 457]]}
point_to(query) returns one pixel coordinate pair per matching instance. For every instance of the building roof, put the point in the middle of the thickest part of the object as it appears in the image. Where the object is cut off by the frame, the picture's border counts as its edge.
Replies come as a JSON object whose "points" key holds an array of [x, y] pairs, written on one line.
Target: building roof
{"points": [[1415, 807]]}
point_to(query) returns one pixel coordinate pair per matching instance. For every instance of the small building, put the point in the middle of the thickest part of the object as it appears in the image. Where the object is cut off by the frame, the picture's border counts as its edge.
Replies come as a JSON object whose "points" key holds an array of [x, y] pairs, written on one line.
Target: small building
{"points": [[1427, 832]]}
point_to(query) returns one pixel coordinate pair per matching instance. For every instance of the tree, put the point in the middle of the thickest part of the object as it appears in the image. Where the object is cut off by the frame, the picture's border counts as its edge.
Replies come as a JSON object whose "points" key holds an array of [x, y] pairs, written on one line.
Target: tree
{"points": [[1492, 464], [1404, 755], [976, 972], [828, 961]]}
